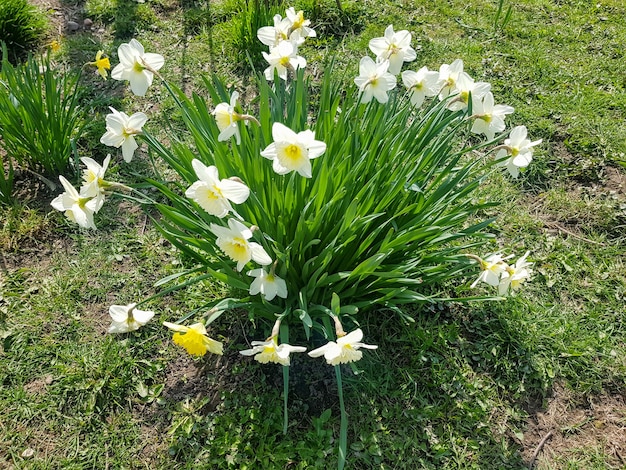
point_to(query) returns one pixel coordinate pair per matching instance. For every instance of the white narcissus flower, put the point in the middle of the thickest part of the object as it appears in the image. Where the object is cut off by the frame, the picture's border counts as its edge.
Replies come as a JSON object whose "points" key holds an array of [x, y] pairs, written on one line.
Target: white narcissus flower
{"points": [[127, 318], [448, 76], [291, 151], [271, 351], [215, 195], [345, 350], [299, 25], [488, 118], [272, 35], [269, 285], [78, 208], [464, 88], [421, 84], [121, 131], [492, 269], [515, 275], [233, 241], [394, 47], [93, 176], [194, 339], [282, 58], [136, 66], [226, 119], [374, 80], [520, 150]]}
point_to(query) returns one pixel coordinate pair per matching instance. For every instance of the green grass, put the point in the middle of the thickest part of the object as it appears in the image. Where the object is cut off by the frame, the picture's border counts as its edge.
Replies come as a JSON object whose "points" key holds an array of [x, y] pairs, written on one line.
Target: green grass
{"points": [[451, 391], [22, 27]]}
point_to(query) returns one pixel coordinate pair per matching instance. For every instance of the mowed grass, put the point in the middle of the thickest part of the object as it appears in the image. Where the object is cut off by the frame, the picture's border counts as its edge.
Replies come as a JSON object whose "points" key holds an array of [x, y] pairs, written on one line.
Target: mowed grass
{"points": [[458, 388]]}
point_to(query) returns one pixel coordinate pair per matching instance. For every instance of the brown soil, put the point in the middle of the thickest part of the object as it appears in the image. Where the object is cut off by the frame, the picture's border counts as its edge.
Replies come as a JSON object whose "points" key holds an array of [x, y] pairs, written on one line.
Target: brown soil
{"points": [[576, 427]]}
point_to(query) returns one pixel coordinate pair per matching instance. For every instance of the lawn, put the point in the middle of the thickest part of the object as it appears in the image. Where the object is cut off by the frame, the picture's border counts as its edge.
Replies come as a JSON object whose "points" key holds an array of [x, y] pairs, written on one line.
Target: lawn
{"points": [[534, 381]]}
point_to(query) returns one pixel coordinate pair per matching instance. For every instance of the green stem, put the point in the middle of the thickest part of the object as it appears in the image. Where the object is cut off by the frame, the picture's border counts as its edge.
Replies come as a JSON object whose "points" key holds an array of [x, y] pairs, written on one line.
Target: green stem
{"points": [[343, 429], [285, 397], [284, 338]]}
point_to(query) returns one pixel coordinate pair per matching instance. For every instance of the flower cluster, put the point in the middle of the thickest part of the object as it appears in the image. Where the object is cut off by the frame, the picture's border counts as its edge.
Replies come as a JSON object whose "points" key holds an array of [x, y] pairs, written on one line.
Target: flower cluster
{"points": [[291, 153], [495, 271], [333, 227], [283, 40], [451, 83]]}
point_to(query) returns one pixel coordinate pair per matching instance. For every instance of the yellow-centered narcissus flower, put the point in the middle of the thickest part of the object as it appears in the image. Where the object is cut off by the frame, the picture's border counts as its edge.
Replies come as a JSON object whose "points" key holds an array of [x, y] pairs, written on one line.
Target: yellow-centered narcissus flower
{"points": [[136, 66], [374, 80], [515, 275], [121, 131], [93, 176], [291, 151], [233, 241], [269, 285], [79, 208], [344, 350], [194, 339], [270, 351], [394, 47], [491, 269], [519, 147], [215, 195]]}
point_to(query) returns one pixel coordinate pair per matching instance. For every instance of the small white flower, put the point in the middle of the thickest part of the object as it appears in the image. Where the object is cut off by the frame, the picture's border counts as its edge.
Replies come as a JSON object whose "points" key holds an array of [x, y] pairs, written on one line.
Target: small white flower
{"points": [[212, 194], [299, 25], [464, 88], [136, 66], [291, 151], [93, 176], [345, 350], [271, 351], [520, 150], [492, 269], [515, 275], [127, 318], [283, 58], [226, 119], [269, 285], [78, 208], [272, 35], [394, 47], [121, 131], [489, 118], [421, 84], [233, 241], [448, 76], [374, 80]]}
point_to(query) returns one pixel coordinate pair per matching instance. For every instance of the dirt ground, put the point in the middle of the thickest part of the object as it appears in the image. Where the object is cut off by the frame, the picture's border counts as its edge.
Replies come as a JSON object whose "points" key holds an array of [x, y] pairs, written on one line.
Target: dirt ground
{"points": [[563, 427]]}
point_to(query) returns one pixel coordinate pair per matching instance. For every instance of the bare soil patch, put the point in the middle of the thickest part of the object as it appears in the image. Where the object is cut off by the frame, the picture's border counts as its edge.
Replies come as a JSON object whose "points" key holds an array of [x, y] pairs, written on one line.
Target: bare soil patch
{"points": [[575, 425]]}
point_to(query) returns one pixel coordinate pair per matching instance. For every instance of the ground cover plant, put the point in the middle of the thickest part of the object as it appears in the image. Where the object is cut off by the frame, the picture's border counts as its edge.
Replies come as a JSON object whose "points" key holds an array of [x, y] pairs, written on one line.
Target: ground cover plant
{"points": [[463, 376]]}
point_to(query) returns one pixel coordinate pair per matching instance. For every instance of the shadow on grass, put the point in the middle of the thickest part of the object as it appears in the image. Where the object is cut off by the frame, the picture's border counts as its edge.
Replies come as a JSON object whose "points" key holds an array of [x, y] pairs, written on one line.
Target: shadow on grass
{"points": [[445, 392]]}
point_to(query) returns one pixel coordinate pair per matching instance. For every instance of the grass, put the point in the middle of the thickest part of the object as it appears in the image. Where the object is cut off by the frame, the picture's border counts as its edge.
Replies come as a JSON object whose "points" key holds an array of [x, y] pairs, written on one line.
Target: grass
{"points": [[454, 390], [22, 28]]}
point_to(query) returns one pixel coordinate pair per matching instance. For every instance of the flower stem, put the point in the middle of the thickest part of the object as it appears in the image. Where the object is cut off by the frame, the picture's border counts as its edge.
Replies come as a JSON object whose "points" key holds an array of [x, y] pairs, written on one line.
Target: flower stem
{"points": [[285, 398], [343, 429]]}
